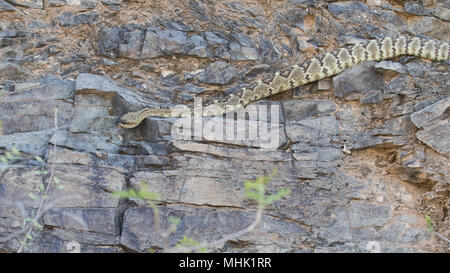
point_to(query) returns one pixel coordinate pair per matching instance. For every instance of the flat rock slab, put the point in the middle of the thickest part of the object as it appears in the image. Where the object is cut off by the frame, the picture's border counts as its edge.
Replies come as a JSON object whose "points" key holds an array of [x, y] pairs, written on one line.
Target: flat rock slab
{"points": [[435, 124]]}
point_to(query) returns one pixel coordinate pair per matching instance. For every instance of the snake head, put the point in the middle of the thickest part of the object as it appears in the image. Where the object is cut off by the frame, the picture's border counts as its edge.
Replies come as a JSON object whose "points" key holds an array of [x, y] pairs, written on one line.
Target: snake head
{"points": [[129, 120]]}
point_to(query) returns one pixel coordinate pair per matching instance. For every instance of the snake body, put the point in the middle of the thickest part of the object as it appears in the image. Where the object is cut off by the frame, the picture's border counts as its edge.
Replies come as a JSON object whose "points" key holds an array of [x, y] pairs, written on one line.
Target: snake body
{"points": [[314, 69]]}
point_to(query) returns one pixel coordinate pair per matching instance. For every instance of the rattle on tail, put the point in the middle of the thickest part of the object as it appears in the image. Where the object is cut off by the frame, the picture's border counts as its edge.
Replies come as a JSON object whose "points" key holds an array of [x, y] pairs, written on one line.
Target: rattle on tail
{"points": [[314, 69]]}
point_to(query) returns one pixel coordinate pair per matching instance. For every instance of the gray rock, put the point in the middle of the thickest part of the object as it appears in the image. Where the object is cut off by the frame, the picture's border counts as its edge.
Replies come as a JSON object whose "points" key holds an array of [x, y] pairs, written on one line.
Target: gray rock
{"points": [[83, 219], [339, 230], [27, 116], [400, 231], [392, 68], [147, 67], [442, 12], [13, 71], [68, 19], [431, 113], [323, 154], [5, 6], [132, 48], [268, 49], [87, 4], [176, 25], [34, 142], [245, 154], [371, 97], [366, 214], [138, 232], [350, 10], [33, 4], [390, 19], [154, 160], [86, 142], [101, 84], [90, 116], [257, 69], [357, 81], [218, 73], [426, 25], [240, 53], [401, 85], [169, 42], [317, 130], [58, 239], [109, 41], [297, 110], [108, 62], [300, 3], [436, 135], [190, 88], [214, 39], [172, 41], [415, 8], [249, 133]]}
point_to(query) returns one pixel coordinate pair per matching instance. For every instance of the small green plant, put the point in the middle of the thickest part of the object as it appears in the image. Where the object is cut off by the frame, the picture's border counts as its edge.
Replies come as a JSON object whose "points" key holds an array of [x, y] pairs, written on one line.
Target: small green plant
{"points": [[188, 242], [253, 189], [431, 224], [10, 156], [151, 198], [42, 196]]}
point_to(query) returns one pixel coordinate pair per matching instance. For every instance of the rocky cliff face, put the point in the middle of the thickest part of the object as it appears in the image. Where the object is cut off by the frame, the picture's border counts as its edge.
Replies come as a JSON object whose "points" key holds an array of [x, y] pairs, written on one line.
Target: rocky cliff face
{"points": [[365, 154]]}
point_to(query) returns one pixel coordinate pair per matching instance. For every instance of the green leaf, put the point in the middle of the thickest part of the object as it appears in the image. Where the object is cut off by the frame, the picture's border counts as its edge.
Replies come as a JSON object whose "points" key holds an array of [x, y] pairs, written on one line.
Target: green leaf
{"points": [[56, 179], [39, 159], [60, 187], [146, 195], [29, 236], [9, 155], [42, 187], [15, 151], [132, 193], [4, 159], [173, 220], [39, 226], [121, 194], [32, 196]]}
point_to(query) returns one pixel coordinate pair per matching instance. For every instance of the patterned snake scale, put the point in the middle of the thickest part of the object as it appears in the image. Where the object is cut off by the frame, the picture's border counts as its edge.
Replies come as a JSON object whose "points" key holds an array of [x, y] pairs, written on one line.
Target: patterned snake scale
{"points": [[314, 69]]}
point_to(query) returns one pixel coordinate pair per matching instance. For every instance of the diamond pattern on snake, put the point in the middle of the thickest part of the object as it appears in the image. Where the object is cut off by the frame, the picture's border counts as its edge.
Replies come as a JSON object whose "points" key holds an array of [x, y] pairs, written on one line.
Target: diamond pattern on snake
{"points": [[311, 70]]}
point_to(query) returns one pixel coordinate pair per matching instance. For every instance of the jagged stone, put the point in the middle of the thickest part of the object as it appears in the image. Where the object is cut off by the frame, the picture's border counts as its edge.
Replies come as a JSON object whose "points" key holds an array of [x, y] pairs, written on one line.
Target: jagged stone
{"points": [[13, 71], [357, 81], [218, 73], [6, 6]]}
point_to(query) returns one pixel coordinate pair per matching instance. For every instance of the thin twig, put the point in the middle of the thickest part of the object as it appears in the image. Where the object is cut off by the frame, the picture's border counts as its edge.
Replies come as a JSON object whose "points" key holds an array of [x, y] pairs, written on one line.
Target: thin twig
{"points": [[43, 197], [442, 237]]}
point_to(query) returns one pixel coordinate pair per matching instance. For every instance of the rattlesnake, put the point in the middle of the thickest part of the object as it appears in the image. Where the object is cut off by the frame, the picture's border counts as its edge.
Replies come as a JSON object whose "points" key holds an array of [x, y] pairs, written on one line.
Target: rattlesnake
{"points": [[311, 70]]}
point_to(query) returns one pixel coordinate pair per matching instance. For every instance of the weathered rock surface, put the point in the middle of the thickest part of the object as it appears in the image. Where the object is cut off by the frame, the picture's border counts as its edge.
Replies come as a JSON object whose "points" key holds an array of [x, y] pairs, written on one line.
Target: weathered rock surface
{"points": [[434, 120]]}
